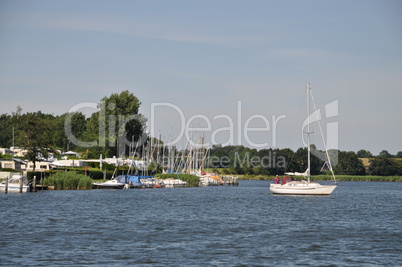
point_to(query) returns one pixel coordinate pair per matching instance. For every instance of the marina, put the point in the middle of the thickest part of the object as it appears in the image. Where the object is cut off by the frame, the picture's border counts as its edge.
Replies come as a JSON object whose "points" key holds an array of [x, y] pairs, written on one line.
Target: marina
{"points": [[135, 181], [19, 183], [186, 133]]}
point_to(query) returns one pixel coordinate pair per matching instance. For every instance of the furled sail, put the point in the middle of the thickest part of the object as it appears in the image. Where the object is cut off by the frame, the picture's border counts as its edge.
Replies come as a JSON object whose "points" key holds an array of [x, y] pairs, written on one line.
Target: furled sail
{"points": [[298, 173]]}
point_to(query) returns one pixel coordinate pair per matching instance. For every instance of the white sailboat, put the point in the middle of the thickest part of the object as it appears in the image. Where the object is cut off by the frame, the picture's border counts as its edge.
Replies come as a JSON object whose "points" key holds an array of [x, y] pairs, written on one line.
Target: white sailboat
{"points": [[305, 187]]}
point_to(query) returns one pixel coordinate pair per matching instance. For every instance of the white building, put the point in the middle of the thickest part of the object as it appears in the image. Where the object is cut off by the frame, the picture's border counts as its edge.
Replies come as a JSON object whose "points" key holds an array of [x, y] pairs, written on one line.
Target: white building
{"points": [[68, 163], [15, 164], [39, 166], [6, 151]]}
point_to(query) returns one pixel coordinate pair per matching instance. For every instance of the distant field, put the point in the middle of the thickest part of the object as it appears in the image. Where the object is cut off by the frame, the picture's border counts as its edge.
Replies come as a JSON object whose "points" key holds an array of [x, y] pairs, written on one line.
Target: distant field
{"points": [[366, 161]]}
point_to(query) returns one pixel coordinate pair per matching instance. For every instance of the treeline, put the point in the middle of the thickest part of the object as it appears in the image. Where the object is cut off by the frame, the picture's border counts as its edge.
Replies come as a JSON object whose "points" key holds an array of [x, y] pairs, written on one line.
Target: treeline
{"points": [[118, 123], [104, 132], [244, 160]]}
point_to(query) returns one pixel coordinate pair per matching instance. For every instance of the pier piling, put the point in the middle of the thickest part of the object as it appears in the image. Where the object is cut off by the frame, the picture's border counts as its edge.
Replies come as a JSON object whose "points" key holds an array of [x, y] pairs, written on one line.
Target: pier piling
{"points": [[34, 184], [6, 188], [21, 185]]}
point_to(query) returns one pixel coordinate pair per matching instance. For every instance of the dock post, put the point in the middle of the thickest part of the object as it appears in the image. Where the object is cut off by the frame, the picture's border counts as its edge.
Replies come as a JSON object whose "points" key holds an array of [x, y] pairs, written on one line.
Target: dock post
{"points": [[21, 184], [34, 184], [6, 188]]}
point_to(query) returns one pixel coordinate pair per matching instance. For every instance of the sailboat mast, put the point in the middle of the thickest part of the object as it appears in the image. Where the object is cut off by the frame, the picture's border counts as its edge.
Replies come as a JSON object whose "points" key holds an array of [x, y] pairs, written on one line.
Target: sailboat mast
{"points": [[308, 132], [202, 155]]}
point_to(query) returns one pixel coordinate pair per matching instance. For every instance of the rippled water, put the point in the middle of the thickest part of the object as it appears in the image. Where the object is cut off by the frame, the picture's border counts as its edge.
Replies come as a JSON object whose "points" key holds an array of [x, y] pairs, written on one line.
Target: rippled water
{"points": [[360, 225]]}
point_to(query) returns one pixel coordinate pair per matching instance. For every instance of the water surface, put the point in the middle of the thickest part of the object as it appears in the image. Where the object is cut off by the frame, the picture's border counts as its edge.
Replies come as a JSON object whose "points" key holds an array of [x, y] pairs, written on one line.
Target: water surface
{"points": [[360, 224]]}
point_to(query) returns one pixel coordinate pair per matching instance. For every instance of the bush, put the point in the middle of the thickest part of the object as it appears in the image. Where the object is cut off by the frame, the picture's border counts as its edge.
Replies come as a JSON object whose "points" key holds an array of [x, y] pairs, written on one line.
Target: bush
{"points": [[95, 173], [9, 170], [105, 165], [69, 181]]}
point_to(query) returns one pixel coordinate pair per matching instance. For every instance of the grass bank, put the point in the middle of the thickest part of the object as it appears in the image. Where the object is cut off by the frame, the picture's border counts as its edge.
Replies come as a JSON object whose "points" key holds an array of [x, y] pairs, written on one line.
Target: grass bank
{"points": [[362, 178]]}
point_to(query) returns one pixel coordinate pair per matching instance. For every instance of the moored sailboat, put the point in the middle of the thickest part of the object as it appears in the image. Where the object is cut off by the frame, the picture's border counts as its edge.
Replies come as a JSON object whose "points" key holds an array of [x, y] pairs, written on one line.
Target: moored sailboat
{"points": [[305, 187]]}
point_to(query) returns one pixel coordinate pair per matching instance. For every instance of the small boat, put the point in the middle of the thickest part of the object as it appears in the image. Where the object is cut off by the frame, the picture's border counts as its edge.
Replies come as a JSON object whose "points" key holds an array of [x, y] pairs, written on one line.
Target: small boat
{"points": [[14, 184], [118, 182], [305, 187], [134, 181], [150, 182], [174, 183], [210, 180]]}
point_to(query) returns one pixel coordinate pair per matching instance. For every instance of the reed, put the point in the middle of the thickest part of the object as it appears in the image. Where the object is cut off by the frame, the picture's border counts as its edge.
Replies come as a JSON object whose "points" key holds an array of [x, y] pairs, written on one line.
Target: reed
{"points": [[69, 181]]}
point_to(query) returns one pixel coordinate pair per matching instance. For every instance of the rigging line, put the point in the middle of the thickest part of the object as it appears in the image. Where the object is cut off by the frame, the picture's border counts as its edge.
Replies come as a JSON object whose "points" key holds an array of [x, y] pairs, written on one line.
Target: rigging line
{"points": [[301, 101], [323, 140]]}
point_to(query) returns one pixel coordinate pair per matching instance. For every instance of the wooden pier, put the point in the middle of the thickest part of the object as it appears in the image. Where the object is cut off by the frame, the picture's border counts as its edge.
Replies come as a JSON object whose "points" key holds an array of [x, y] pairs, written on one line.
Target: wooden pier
{"points": [[230, 180]]}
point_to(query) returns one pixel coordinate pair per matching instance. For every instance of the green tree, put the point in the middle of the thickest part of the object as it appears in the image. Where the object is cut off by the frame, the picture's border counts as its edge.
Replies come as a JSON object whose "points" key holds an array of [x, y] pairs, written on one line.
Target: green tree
{"points": [[6, 130], [8, 125], [34, 136], [364, 154], [384, 166], [301, 163], [76, 121], [116, 124], [385, 153], [349, 164], [122, 120]]}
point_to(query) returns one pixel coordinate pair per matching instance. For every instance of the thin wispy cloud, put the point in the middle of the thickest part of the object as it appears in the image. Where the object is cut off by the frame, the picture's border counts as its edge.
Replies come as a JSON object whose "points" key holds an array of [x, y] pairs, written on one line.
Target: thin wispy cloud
{"points": [[112, 25], [299, 52]]}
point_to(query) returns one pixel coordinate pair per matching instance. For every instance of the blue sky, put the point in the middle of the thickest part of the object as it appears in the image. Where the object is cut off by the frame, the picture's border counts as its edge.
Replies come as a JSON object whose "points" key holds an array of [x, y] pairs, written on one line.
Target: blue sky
{"points": [[206, 56]]}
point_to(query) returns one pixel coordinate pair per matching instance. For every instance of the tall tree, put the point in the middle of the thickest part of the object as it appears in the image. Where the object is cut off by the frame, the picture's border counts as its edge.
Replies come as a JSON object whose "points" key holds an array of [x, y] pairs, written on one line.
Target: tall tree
{"points": [[349, 164], [116, 124], [76, 122], [34, 136], [6, 130]]}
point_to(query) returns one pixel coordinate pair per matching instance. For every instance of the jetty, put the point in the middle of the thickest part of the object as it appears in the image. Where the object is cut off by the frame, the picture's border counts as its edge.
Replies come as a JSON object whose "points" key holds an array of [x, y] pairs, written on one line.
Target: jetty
{"points": [[230, 180]]}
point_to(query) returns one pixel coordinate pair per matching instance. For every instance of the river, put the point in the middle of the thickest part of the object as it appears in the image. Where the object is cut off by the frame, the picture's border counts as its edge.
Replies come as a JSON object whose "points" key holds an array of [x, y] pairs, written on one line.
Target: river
{"points": [[360, 224]]}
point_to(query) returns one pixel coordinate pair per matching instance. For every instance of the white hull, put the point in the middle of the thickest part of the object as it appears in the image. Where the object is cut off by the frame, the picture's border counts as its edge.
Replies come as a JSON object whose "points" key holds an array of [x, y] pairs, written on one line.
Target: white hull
{"points": [[15, 188], [14, 184], [302, 188], [112, 184], [208, 181], [150, 183], [174, 183]]}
